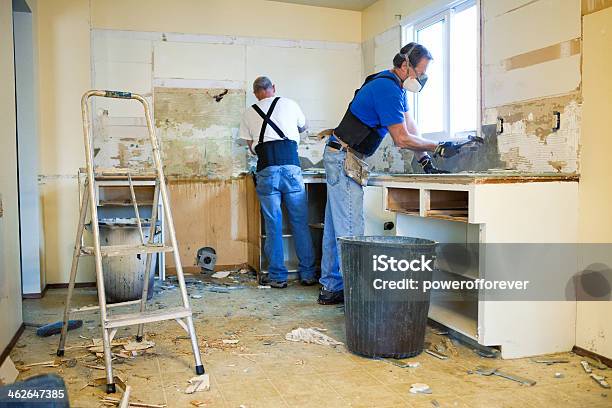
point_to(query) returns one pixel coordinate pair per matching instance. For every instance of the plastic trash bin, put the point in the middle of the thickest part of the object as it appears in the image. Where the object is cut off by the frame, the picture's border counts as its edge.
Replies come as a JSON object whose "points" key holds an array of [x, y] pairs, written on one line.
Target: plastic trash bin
{"points": [[386, 319]]}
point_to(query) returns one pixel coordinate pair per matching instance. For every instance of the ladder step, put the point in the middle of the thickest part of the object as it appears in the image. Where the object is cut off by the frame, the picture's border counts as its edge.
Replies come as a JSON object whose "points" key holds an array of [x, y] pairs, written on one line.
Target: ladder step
{"points": [[120, 250], [146, 317]]}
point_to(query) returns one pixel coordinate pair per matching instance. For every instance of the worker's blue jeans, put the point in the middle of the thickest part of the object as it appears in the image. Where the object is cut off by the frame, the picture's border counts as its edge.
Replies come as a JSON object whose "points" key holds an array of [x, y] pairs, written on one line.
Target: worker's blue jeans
{"points": [[343, 216], [276, 184]]}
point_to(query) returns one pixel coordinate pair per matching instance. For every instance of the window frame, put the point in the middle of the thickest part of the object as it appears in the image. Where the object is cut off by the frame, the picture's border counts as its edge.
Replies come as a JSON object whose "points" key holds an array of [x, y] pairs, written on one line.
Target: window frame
{"points": [[409, 32]]}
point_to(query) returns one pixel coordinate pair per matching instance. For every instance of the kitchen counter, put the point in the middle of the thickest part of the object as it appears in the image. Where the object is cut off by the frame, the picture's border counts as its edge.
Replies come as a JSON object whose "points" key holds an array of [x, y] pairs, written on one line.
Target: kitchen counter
{"points": [[501, 177]]}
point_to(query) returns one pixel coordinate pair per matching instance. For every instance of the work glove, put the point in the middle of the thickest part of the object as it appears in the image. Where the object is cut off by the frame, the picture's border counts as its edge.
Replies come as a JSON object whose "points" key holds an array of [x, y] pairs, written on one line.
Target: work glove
{"points": [[447, 149], [428, 166]]}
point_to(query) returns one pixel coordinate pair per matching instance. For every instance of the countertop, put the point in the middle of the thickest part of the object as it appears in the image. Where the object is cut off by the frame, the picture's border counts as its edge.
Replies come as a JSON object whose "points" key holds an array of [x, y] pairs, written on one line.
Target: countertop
{"points": [[494, 177]]}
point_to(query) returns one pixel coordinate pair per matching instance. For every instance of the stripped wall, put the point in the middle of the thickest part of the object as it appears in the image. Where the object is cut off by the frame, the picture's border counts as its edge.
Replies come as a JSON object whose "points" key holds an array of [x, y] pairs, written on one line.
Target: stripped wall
{"points": [[199, 86], [526, 78], [65, 70]]}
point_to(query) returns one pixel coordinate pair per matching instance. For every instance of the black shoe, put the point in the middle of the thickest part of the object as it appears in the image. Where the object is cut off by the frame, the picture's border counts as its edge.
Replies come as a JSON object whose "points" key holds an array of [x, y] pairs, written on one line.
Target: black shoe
{"points": [[330, 298], [266, 281], [309, 281]]}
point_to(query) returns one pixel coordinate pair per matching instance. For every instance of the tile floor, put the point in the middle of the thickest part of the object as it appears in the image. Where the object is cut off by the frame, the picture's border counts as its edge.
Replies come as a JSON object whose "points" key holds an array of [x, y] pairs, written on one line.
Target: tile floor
{"points": [[265, 370]]}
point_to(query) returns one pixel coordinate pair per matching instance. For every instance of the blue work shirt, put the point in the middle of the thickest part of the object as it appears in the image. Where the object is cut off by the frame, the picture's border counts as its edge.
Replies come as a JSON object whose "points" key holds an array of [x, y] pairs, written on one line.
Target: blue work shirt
{"points": [[380, 102]]}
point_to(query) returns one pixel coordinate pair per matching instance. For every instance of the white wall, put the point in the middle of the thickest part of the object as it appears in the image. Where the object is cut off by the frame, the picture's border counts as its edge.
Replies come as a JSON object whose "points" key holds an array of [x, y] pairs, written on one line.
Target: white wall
{"points": [[594, 325], [10, 275], [320, 76]]}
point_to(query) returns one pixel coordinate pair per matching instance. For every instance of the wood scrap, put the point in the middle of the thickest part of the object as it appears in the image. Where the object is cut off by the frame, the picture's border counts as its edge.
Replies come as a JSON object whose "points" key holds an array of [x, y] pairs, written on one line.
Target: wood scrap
{"points": [[115, 401], [50, 363], [125, 399], [138, 346], [198, 383], [95, 367], [600, 379], [197, 403]]}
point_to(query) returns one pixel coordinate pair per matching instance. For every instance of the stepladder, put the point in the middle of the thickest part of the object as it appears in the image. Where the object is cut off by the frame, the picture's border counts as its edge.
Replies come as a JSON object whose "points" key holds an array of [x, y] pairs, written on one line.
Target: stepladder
{"points": [[111, 321]]}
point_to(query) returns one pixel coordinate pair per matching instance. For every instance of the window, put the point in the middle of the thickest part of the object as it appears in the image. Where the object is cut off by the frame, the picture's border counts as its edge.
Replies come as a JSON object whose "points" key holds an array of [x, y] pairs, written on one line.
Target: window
{"points": [[447, 107]]}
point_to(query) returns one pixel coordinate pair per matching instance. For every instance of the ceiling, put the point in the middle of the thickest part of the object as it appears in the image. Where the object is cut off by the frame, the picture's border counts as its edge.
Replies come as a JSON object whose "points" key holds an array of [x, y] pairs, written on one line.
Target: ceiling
{"points": [[357, 5]]}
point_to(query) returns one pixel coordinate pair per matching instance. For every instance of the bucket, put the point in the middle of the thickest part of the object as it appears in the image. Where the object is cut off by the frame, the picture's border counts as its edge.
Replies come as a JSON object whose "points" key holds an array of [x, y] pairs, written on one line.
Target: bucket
{"points": [[124, 275], [382, 321]]}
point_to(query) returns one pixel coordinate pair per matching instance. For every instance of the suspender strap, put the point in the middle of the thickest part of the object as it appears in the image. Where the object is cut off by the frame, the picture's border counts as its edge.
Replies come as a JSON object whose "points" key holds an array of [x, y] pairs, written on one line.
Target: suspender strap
{"points": [[267, 121]]}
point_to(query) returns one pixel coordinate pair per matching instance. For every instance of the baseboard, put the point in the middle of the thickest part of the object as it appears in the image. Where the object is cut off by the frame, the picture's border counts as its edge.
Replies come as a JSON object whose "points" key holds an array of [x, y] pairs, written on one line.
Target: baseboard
{"points": [[587, 353], [35, 295], [65, 285], [9, 347]]}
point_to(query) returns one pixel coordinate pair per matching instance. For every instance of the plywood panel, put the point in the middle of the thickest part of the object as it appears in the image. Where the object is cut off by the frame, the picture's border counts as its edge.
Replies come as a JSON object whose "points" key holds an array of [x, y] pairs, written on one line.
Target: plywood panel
{"points": [[211, 213], [199, 61]]}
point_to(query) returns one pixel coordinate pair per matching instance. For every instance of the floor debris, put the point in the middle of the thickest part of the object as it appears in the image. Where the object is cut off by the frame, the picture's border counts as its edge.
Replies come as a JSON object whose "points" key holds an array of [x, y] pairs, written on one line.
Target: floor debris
{"points": [[410, 364], [559, 375], [311, 335], [420, 388], [8, 372], [494, 371], [600, 379], [197, 403], [138, 346], [115, 401], [231, 341], [587, 368], [125, 399], [198, 383], [221, 274], [550, 361], [436, 354], [486, 353]]}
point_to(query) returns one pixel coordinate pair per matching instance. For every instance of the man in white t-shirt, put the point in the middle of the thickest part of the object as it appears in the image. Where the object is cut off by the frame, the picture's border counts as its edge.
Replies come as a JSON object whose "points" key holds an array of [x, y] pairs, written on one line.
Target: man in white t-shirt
{"points": [[271, 128]]}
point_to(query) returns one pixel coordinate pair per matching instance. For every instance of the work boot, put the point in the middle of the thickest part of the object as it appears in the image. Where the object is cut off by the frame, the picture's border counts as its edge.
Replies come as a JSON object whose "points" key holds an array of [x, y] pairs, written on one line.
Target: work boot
{"points": [[265, 280], [327, 297], [308, 281]]}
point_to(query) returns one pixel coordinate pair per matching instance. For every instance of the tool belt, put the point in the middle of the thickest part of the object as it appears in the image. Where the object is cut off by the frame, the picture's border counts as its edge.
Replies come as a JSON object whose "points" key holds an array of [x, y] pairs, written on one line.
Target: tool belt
{"points": [[354, 165], [277, 153], [356, 134]]}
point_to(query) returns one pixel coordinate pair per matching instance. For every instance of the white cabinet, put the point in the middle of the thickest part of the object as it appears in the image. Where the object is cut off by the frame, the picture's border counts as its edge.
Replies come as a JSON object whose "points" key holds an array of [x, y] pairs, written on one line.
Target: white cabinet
{"points": [[484, 210]]}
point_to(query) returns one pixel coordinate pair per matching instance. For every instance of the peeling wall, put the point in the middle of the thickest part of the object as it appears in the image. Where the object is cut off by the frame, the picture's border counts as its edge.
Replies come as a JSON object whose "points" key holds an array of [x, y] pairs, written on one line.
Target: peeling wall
{"points": [[529, 143], [198, 130]]}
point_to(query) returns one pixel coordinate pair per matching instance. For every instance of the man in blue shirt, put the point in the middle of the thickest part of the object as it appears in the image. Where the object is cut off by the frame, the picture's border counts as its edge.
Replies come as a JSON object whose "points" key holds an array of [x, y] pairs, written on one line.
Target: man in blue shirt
{"points": [[379, 108]]}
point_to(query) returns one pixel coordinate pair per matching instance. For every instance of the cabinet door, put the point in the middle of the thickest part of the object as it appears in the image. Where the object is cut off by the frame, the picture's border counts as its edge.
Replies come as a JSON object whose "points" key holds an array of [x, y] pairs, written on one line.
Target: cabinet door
{"points": [[375, 215]]}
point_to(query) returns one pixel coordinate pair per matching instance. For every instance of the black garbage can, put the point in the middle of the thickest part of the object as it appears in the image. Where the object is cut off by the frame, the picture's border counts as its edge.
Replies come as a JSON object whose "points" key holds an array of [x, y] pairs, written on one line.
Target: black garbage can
{"points": [[385, 304]]}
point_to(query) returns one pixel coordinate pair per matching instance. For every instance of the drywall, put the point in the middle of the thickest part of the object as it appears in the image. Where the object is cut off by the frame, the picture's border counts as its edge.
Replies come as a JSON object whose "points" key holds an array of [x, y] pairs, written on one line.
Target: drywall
{"points": [[254, 18], [594, 326], [10, 272]]}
